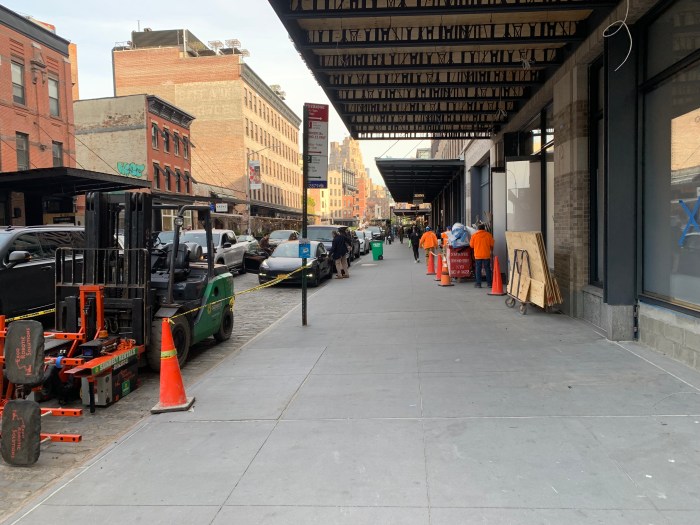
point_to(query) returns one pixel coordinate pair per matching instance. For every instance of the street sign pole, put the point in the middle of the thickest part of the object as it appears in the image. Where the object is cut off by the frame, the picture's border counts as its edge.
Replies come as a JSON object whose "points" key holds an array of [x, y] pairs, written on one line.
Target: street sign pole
{"points": [[304, 207], [315, 173]]}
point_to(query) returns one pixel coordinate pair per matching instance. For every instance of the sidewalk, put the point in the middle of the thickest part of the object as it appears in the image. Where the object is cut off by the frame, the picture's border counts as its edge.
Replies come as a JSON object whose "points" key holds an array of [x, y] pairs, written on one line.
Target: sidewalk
{"points": [[404, 403]]}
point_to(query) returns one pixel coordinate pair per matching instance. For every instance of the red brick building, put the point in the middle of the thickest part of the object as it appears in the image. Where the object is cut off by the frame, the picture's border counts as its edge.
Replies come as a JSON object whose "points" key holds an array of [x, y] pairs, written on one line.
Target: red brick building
{"points": [[36, 112]]}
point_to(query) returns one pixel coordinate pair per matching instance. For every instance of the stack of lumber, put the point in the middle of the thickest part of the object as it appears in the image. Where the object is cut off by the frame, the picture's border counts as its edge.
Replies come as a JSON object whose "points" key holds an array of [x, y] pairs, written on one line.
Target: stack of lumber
{"points": [[537, 285]]}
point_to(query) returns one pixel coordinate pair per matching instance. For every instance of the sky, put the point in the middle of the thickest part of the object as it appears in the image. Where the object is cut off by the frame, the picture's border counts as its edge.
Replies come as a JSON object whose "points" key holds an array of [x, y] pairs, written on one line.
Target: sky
{"points": [[96, 26]]}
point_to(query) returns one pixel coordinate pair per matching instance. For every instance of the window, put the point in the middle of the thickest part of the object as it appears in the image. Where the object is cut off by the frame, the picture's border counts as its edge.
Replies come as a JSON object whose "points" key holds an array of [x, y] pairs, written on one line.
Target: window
{"points": [[166, 141], [54, 106], [185, 147], [154, 135], [187, 182], [156, 175], [176, 144], [671, 208], [22, 147], [178, 177], [167, 178], [57, 152], [18, 83]]}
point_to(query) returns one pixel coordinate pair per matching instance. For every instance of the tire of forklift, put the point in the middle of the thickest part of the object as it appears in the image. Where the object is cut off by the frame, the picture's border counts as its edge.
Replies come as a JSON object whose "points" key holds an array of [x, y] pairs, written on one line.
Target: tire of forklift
{"points": [[242, 269], [226, 326], [181, 338]]}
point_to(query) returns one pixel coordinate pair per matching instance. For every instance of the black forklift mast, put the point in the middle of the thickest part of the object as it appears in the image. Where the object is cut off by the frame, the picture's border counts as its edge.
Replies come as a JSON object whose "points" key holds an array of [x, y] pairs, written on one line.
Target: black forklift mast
{"points": [[124, 270]]}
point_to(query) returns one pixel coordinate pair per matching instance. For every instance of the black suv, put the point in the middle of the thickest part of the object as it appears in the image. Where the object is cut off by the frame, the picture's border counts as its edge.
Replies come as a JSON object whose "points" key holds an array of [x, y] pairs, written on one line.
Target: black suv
{"points": [[28, 265], [324, 234]]}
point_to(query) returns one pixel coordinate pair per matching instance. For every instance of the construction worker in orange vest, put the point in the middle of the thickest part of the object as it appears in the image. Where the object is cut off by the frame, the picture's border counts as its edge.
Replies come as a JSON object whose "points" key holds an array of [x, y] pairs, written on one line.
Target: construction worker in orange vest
{"points": [[482, 243], [428, 241]]}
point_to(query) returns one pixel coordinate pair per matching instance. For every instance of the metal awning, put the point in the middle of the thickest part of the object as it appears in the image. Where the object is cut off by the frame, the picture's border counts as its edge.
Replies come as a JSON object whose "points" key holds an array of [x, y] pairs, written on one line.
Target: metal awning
{"points": [[406, 178], [64, 181], [442, 69]]}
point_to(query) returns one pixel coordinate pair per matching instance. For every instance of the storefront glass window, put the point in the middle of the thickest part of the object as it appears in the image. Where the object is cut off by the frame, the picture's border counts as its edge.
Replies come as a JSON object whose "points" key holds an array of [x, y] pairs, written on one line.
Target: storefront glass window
{"points": [[673, 36], [672, 188]]}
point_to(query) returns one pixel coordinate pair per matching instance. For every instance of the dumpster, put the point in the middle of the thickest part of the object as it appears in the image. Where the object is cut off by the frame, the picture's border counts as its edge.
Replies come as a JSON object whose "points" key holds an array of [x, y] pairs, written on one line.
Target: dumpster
{"points": [[377, 250]]}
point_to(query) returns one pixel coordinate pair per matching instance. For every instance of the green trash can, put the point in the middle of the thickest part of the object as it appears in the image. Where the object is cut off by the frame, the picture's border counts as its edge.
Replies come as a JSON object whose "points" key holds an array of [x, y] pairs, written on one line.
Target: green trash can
{"points": [[377, 250]]}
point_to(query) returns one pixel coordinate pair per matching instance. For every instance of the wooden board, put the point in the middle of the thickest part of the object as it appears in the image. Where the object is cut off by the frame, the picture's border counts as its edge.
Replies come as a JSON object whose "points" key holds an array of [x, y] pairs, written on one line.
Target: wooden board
{"points": [[543, 287]]}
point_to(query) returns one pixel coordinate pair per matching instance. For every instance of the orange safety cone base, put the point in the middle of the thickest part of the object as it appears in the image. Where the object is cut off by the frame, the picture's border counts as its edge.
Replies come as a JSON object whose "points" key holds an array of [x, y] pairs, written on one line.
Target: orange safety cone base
{"points": [[497, 285], [446, 280], [430, 264], [160, 409], [172, 390]]}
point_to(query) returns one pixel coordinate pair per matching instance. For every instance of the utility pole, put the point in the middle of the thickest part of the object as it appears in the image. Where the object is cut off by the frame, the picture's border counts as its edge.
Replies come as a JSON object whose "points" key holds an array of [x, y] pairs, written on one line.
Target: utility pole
{"points": [[248, 190]]}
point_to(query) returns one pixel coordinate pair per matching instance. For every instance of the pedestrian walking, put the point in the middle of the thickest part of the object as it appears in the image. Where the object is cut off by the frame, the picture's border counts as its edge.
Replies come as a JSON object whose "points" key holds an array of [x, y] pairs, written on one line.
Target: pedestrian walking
{"points": [[414, 241], [339, 250], [428, 241], [482, 243], [401, 233]]}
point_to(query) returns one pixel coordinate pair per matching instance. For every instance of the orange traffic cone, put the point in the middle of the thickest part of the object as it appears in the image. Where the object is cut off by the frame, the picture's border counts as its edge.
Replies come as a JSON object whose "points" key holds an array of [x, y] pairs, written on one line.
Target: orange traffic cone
{"points": [[438, 268], [431, 263], [497, 287], [445, 279], [172, 390]]}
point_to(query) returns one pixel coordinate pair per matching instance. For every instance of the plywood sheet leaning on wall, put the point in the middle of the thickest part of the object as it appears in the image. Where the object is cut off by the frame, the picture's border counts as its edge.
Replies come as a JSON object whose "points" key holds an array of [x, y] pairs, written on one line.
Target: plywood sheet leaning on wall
{"points": [[543, 289]]}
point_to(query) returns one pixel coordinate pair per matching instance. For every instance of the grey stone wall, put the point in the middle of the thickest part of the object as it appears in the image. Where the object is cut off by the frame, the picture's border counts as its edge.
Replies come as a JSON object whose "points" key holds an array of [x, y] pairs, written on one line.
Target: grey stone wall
{"points": [[671, 333]]}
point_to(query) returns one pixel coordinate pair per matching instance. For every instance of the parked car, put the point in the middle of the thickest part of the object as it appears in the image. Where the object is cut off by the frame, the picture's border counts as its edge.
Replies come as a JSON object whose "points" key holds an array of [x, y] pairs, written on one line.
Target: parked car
{"points": [[254, 256], [364, 237], [355, 241], [162, 239], [279, 236], [245, 237], [28, 265], [285, 259], [376, 232], [227, 250], [324, 233]]}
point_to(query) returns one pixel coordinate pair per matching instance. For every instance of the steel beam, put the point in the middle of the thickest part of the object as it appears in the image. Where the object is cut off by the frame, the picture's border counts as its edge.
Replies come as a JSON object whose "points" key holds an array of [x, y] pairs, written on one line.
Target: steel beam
{"points": [[417, 61], [417, 108], [521, 78], [444, 35], [327, 9]]}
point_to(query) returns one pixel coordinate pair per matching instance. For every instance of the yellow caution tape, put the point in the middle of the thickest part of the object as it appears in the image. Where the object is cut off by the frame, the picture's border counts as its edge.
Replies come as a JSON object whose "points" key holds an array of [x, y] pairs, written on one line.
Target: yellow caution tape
{"points": [[28, 316], [232, 298]]}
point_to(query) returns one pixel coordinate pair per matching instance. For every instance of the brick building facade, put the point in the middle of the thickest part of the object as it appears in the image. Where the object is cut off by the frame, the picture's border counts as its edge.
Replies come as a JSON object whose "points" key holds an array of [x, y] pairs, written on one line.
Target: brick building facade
{"points": [[138, 136], [239, 117], [36, 113]]}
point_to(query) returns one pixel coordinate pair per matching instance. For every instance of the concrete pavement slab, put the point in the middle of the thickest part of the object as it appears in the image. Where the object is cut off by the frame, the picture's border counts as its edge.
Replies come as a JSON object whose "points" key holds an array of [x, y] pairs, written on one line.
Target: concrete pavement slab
{"points": [[169, 463], [240, 398], [659, 455], [119, 515], [256, 361], [524, 463], [483, 516], [575, 393], [246, 515], [379, 359], [369, 463], [357, 396]]}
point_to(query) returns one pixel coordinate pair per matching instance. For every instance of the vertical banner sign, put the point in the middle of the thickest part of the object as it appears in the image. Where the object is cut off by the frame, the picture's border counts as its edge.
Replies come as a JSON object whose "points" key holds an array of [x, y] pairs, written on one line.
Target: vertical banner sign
{"points": [[254, 175], [317, 155]]}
